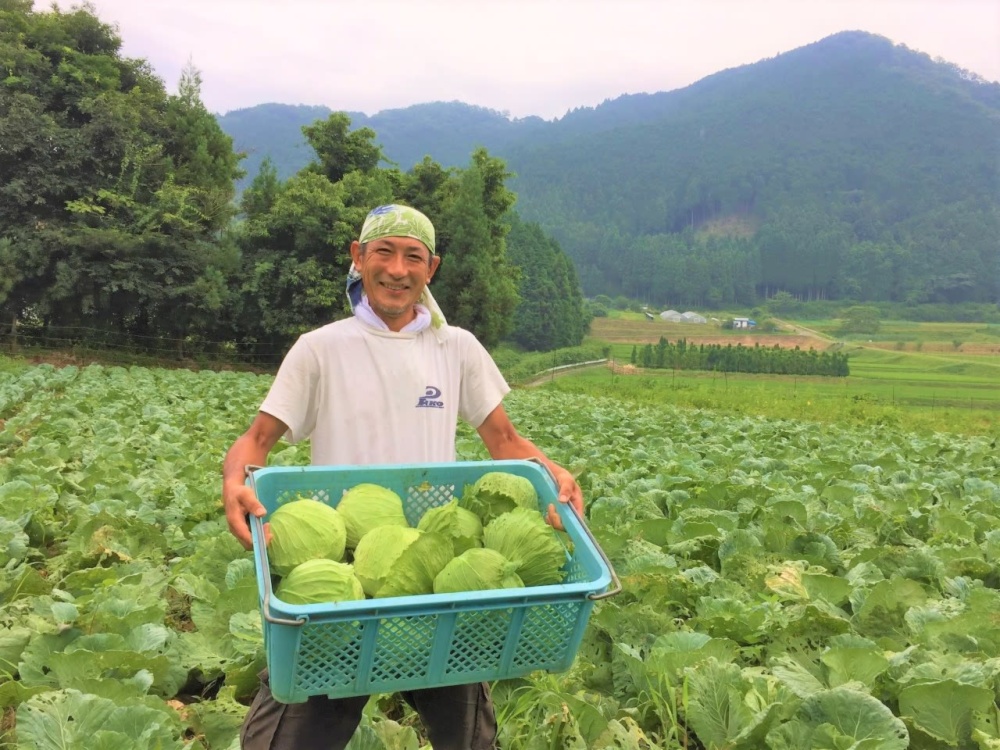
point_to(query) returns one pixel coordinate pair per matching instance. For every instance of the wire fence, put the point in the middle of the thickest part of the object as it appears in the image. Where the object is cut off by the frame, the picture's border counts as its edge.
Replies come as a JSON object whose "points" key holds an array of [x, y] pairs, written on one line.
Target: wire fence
{"points": [[81, 342]]}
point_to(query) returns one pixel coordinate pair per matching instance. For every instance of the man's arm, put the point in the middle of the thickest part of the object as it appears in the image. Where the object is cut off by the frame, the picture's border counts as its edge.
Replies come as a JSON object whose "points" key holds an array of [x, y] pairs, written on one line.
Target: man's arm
{"points": [[250, 449], [503, 441]]}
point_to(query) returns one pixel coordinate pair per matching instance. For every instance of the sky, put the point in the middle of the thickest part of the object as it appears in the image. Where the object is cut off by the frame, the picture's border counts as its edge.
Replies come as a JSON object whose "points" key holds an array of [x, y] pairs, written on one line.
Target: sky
{"points": [[521, 57]]}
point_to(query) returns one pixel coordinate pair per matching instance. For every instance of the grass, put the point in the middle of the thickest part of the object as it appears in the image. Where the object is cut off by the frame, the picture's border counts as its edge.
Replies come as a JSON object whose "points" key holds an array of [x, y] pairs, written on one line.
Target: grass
{"points": [[932, 387], [903, 335], [845, 400], [12, 366]]}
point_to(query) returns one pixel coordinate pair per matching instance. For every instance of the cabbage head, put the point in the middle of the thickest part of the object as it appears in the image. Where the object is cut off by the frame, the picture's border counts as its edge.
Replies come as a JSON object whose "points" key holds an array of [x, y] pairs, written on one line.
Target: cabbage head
{"points": [[367, 506], [524, 538], [400, 561], [302, 530], [477, 569], [497, 492], [459, 524], [318, 581]]}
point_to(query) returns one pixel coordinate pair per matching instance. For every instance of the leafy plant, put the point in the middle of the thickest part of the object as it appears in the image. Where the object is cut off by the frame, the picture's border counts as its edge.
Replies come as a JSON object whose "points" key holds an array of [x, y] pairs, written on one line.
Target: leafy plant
{"points": [[785, 585]]}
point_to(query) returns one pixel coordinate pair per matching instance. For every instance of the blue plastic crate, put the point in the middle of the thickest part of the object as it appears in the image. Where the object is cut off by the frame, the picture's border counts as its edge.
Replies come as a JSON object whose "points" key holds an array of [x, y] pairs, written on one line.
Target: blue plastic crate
{"points": [[412, 642]]}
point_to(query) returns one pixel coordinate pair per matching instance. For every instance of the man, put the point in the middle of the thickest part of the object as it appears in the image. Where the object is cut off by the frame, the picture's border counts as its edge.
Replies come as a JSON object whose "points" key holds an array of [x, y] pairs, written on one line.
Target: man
{"points": [[385, 386]]}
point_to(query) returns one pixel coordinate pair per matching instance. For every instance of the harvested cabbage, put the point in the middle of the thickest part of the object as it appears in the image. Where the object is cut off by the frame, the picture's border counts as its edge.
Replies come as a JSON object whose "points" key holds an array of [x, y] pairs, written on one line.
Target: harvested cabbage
{"points": [[319, 581], [497, 492], [367, 506], [460, 525], [303, 530], [477, 569], [524, 538], [400, 561]]}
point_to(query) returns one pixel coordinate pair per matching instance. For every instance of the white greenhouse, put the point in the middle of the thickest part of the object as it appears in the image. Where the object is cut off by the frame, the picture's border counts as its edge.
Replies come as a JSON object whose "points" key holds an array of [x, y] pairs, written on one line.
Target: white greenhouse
{"points": [[693, 317]]}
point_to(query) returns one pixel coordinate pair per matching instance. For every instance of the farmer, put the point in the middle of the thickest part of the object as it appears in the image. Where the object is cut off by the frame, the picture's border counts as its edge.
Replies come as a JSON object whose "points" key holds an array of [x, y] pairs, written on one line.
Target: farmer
{"points": [[386, 386]]}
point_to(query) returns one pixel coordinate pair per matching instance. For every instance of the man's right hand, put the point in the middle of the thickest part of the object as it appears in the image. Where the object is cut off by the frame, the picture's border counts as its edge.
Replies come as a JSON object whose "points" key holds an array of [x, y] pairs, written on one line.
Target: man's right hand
{"points": [[239, 502]]}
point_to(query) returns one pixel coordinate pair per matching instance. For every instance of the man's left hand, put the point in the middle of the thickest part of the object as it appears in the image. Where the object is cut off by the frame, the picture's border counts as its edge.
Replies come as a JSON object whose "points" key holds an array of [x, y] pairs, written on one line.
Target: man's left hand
{"points": [[569, 492]]}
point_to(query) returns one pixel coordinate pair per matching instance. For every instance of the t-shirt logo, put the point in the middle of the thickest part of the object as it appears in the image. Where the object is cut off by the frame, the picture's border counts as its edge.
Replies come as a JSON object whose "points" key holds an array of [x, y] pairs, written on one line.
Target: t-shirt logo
{"points": [[430, 398]]}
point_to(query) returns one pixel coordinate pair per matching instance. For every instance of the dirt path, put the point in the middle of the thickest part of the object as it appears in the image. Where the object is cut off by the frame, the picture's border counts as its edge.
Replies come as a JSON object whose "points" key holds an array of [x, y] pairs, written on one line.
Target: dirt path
{"points": [[547, 377], [803, 331]]}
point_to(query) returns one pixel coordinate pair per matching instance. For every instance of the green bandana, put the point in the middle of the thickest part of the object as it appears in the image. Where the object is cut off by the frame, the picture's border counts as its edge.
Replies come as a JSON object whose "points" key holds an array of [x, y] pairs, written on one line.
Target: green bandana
{"points": [[397, 221]]}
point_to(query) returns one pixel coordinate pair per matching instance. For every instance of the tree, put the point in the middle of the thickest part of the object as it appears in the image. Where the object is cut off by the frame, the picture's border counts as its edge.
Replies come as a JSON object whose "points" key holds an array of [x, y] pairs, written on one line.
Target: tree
{"points": [[429, 187], [476, 284], [262, 192], [294, 243], [497, 199], [76, 124], [117, 193], [202, 155], [341, 150], [783, 303], [860, 319], [551, 313]]}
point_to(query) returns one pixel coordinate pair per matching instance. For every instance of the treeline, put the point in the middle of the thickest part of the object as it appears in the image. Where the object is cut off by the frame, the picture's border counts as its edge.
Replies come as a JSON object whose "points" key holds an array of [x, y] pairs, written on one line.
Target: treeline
{"points": [[118, 213], [739, 358]]}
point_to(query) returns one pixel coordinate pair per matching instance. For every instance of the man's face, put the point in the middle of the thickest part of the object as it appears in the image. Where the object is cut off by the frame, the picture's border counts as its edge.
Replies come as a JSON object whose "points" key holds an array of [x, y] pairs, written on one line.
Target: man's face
{"points": [[394, 272]]}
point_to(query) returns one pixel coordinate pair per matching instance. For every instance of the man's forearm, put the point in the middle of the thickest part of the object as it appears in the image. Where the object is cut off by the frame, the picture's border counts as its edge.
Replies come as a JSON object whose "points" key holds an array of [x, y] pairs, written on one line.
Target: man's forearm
{"points": [[251, 448], [521, 448], [244, 452]]}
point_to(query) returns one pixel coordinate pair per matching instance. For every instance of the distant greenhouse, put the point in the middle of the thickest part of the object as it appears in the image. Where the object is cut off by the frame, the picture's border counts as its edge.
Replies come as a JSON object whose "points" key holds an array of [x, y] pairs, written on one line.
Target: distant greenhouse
{"points": [[693, 317], [672, 315]]}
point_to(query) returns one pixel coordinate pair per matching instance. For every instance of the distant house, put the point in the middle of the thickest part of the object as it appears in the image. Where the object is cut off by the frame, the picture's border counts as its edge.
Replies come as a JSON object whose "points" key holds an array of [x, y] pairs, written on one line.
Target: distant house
{"points": [[744, 323]]}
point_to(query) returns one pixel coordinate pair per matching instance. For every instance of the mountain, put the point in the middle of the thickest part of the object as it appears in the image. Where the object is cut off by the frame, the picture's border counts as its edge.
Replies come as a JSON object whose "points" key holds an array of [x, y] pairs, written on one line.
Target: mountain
{"points": [[274, 131], [446, 131], [848, 168]]}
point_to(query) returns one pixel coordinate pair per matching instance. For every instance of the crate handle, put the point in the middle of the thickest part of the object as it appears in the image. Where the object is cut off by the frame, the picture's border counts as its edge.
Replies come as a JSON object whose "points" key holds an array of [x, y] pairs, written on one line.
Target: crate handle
{"points": [[259, 552], [617, 587]]}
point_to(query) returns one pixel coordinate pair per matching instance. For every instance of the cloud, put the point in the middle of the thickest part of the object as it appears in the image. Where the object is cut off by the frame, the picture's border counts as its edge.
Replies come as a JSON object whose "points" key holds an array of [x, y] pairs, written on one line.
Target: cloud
{"points": [[527, 57]]}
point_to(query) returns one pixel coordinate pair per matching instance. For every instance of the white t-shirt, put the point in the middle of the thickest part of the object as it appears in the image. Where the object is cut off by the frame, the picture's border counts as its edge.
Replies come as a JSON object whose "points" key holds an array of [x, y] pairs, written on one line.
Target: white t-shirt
{"points": [[368, 396]]}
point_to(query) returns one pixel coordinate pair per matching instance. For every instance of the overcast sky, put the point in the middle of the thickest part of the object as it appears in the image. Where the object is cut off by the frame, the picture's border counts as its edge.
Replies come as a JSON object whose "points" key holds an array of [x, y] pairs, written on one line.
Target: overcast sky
{"points": [[525, 57]]}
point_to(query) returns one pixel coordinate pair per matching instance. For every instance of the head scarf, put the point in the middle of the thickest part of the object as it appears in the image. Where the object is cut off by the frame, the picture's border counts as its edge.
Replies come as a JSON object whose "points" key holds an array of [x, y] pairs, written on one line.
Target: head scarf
{"points": [[397, 221]]}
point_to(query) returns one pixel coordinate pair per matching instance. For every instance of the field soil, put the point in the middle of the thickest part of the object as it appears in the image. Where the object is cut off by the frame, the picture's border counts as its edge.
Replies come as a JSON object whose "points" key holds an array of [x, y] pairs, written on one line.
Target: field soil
{"points": [[617, 331]]}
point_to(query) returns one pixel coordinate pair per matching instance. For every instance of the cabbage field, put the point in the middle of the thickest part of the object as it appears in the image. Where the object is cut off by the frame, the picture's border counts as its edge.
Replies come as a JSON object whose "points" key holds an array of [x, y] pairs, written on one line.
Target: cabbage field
{"points": [[787, 585]]}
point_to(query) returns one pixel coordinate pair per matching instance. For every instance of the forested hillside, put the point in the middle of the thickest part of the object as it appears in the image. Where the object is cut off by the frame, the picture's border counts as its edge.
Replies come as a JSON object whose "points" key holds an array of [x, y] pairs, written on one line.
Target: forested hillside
{"points": [[848, 169]]}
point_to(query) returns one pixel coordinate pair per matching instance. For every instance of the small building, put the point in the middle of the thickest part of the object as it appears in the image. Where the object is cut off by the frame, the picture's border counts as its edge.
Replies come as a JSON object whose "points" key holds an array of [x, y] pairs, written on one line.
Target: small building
{"points": [[650, 316], [672, 316], [744, 323]]}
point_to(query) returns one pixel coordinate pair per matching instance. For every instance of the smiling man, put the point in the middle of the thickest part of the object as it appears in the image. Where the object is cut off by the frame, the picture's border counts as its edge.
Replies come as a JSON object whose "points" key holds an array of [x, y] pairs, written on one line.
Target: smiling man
{"points": [[385, 386]]}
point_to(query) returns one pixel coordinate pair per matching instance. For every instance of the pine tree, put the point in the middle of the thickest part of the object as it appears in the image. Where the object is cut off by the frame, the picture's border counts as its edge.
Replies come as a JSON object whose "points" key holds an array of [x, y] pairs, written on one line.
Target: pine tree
{"points": [[476, 286]]}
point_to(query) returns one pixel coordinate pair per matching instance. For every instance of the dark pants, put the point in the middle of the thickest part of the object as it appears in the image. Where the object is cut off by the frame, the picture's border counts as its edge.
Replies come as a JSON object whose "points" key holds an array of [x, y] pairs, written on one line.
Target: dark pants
{"points": [[456, 718]]}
